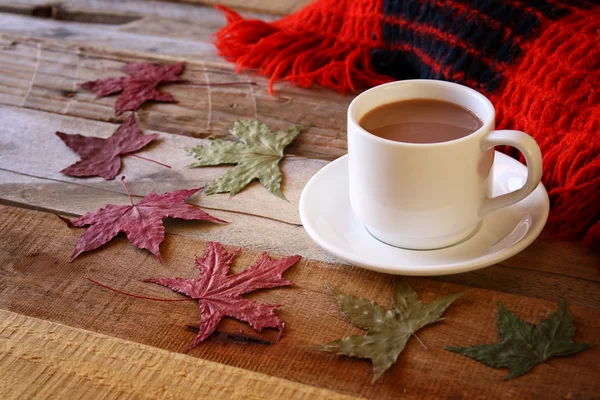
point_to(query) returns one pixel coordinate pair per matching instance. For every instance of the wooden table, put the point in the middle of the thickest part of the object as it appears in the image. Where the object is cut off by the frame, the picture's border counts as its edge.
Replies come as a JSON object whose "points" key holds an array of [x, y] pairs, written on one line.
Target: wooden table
{"points": [[63, 337]]}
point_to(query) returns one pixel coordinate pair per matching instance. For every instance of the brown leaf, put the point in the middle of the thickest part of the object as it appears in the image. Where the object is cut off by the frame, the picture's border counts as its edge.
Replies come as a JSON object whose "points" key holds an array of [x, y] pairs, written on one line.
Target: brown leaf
{"points": [[141, 222], [102, 157], [220, 294], [139, 87]]}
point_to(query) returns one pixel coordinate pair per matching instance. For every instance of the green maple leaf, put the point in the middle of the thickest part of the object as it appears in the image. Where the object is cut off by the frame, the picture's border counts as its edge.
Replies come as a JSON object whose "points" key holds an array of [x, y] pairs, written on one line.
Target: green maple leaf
{"points": [[388, 330], [257, 153], [524, 345]]}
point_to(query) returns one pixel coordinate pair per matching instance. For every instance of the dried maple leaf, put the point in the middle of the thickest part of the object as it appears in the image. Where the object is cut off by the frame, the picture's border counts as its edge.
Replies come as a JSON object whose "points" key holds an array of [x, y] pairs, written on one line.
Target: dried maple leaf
{"points": [[220, 295], [524, 345], [139, 86], [388, 330], [257, 154], [102, 157], [141, 222]]}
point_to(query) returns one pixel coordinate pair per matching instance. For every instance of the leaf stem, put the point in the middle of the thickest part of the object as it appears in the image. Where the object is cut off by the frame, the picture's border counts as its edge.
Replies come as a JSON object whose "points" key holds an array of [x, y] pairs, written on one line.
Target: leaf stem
{"points": [[233, 83], [420, 341], [147, 159], [134, 295], [127, 190]]}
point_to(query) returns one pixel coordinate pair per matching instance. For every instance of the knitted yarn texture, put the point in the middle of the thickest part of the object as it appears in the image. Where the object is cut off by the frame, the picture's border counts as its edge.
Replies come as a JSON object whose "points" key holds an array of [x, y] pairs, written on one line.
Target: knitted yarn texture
{"points": [[538, 61]]}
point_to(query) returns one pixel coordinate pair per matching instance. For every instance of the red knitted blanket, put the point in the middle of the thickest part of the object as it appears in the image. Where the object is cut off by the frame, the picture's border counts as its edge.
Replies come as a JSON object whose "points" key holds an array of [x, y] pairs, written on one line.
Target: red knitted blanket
{"points": [[538, 61]]}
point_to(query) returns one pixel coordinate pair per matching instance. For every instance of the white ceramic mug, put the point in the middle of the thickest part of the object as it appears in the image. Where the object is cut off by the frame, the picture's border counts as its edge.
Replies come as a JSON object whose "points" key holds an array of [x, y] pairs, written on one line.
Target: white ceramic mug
{"points": [[432, 195]]}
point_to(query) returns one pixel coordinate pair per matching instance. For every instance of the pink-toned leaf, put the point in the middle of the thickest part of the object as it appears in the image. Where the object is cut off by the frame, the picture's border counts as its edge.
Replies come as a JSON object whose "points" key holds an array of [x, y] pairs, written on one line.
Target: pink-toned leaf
{"points": [[139, 86], [220, 294], [102, 157], [141, 222]]}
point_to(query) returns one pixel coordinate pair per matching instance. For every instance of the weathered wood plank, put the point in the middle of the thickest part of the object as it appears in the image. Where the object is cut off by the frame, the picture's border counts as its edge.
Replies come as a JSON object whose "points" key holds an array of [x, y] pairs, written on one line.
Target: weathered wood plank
{"points": [[269, 235], [99, 10], [243, 230], [532, 283], [559, 257], [86, 39], [32, 157], [44, 75], [96, 11], [161, 28], [49, 89], [30, 147], [46, 360], [39, 282], [145, 35], [65, 12]]}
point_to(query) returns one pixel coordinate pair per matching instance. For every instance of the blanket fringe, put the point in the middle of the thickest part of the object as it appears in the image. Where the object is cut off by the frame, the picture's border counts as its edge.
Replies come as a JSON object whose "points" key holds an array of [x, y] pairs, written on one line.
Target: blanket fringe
{"points": [[299, 57]]}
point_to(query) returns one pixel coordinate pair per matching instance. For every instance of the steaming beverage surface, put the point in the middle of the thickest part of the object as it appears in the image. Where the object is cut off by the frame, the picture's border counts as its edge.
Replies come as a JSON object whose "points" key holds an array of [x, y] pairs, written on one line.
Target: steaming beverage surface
{"points": [[420, 121]]}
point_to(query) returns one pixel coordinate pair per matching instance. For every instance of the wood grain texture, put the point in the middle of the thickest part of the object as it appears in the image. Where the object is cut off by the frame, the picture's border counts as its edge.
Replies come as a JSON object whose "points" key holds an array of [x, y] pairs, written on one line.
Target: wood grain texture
{"points": [[51, 89], [32, 157], [39, 282], [280, 7], [46, 360], [576, 280], [99, 11], [46, 49], [30, 148], [158, 27], [43, 74], [47, 85], [149, 27], [559, 257]]}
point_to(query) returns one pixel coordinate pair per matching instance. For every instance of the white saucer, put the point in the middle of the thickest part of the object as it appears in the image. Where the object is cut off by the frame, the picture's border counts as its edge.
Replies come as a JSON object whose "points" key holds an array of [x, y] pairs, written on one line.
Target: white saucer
{"points": [[327, 217]]}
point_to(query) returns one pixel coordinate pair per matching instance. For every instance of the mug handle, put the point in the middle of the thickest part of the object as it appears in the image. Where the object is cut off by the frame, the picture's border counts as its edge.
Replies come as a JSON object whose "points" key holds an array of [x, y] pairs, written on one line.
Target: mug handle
{"points": [[530, 149]]}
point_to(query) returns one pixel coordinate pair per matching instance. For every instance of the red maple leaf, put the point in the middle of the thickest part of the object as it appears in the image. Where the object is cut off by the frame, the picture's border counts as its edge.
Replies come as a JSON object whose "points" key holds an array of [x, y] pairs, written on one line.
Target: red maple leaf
{"points": [[220, 295], [139, 86], [102, 157], [141, 222]]}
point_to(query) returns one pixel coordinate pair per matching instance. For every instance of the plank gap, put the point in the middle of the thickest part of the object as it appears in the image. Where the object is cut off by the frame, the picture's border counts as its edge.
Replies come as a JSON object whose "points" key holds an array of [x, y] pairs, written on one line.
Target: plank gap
{"points": [[60, 13]]}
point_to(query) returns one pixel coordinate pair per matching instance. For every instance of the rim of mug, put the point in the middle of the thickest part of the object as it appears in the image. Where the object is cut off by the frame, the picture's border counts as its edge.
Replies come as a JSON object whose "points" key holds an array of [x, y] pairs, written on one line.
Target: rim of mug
{"points": [[430, 82]]}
